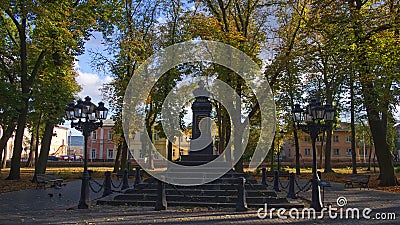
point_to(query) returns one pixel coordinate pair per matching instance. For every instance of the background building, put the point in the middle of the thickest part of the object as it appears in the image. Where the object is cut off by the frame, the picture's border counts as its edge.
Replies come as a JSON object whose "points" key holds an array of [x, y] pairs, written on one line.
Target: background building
{"points": [[101, 146], [340, 150]]}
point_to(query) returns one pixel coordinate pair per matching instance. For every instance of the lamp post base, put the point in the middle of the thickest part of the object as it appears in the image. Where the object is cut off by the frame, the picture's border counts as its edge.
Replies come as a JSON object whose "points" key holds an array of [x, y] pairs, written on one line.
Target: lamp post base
{"points": [[316, 202], [84, 202]]}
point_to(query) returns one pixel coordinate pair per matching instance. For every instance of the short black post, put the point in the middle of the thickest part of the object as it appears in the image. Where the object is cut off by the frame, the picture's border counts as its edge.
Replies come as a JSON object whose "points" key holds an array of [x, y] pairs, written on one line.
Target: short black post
{"points": [[264, 176], [125, 182], [137, 176], [291, 193], [161, 202], [107, 184], [276, 180], [241, 203]]}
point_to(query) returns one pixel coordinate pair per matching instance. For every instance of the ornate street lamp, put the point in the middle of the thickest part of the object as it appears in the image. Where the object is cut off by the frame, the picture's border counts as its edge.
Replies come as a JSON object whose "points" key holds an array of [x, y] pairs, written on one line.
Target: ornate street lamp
{"points": [[313, 120], [88, 118]]}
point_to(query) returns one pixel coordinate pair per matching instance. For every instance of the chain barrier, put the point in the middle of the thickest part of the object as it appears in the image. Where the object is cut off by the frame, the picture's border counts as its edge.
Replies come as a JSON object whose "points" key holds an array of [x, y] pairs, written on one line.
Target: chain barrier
{"points": [[282, 186], [272, 180], [304, 188], [92, 188], [116, 186]]}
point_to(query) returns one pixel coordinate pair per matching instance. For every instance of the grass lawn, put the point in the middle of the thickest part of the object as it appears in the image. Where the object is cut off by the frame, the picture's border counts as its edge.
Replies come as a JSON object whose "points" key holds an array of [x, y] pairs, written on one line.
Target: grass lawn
{"points": [[67, 173]]}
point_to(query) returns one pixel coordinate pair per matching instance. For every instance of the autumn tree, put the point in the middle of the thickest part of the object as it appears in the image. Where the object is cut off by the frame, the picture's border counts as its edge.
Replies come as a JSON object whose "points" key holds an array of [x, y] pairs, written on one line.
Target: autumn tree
{"points": [[39, 29]]}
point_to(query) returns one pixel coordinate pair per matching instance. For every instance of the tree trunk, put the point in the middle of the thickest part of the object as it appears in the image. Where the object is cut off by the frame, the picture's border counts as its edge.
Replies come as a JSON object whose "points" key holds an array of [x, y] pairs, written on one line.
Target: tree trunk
{"points": [[297, 149], [4, 158], [169, 151], [124, 155], [369, 159], [32, 147], [37, 139], [328, 150], [117, 161], [44, 149], [353, 127], [19, 136], [378, 129], [6, 135], [3, 144], [385, 160], [272, 150]]}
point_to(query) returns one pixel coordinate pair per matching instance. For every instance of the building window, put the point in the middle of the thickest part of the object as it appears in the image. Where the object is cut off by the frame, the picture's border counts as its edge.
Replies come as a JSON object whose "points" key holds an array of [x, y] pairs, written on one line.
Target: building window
{"points": [[110, 154], [336, 151], [348, 139], [348, 151], [307, 151], [110, 134], [93, 155], [336, 138], [156, 137], [94, 135], [320, 139], [307, 138]]}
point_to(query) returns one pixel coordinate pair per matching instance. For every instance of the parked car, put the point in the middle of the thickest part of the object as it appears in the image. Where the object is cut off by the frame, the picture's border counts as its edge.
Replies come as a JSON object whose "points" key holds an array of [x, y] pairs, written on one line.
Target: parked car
{"points": [[66, 158], [52, 158]]}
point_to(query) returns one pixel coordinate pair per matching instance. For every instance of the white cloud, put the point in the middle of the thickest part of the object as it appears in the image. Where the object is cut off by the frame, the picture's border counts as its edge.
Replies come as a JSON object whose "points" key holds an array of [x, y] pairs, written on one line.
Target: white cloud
{"points": [[91, 84]]}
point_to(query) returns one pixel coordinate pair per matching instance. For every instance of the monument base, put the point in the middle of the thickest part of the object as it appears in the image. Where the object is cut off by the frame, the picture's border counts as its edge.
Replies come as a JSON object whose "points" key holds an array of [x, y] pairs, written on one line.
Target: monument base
{"points": [[196, 159]]}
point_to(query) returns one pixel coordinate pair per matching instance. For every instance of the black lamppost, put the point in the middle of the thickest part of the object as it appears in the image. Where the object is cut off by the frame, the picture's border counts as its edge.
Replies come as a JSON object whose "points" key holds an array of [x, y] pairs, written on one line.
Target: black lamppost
{"points": [[313, 120], [281, 134], [89, 117]]}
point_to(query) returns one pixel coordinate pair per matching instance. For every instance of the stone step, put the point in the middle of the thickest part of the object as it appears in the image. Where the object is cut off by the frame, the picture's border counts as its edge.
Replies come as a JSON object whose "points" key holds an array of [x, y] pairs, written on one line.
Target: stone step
{"points": [[200, 192], [209, 186], [286, 205], [201, 173], [197, 157], [197, 198], [195, 163]]}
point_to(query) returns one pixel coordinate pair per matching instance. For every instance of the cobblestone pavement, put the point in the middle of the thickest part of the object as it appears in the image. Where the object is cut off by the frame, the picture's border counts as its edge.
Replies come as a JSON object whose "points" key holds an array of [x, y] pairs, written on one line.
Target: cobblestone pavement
{"points": [[37, 207]]}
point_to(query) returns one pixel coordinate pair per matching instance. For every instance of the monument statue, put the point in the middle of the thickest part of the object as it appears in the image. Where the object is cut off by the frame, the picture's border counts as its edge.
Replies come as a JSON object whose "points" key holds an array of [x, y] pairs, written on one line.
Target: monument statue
{"points": [[201, 142]]}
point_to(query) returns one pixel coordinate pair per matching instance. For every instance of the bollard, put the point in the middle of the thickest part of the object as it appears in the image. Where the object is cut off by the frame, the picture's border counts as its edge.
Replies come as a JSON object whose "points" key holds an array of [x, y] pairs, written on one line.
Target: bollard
{"points": [[264, 176], [125, 182], [107, 184], [241, 203], [137, 176], [276, 180], [291, 193], [161, 202]]}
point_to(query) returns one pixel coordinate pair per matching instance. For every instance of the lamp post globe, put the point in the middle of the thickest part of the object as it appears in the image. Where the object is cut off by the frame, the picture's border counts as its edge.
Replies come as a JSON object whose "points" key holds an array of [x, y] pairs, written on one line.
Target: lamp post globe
{"points": [[86, 117]]}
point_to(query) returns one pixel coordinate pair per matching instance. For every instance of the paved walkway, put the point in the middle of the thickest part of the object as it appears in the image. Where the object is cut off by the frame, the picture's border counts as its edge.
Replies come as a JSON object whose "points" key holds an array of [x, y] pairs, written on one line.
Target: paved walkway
{"points": [[37, 207]]}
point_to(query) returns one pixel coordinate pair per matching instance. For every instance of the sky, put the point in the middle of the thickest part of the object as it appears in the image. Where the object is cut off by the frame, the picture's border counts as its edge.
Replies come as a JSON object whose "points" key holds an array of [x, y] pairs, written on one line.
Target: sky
{"points": [[90, 79]]}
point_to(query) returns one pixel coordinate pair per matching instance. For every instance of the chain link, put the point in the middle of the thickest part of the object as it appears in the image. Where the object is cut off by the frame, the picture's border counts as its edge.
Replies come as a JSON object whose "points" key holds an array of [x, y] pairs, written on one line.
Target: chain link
{"points": [[282, 186], [304, 188], [116, 186], [91, 187]]}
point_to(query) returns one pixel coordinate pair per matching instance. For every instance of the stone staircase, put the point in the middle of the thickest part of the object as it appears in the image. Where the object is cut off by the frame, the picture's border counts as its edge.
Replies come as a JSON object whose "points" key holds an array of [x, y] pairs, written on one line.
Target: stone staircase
{"points": [[219, 193]]}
